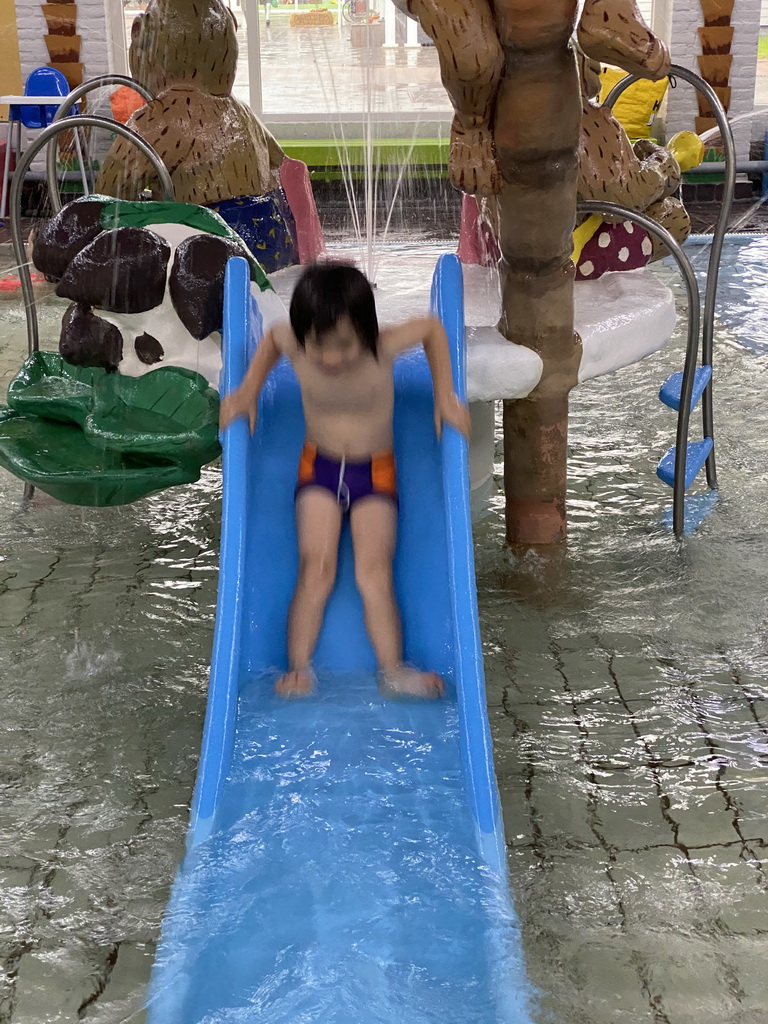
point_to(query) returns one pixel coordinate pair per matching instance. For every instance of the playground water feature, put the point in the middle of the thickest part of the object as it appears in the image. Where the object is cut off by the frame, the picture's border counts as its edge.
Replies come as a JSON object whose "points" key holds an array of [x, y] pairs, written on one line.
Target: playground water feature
{"points": [[626, 685]]}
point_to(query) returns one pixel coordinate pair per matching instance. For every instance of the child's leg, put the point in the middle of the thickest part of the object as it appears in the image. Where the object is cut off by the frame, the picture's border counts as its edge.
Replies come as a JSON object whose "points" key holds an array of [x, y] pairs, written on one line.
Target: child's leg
{"points": [[374, 532], [318, 524]]}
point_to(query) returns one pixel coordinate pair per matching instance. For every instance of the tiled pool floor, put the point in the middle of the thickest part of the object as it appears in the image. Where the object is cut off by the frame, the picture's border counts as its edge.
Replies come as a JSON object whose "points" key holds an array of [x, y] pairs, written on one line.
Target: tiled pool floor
{"points": [[628, 693]]}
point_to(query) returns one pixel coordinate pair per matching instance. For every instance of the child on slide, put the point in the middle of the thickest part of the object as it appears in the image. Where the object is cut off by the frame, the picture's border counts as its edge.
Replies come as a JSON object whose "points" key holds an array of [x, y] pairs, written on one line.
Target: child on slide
{"points": [[343, 363]]}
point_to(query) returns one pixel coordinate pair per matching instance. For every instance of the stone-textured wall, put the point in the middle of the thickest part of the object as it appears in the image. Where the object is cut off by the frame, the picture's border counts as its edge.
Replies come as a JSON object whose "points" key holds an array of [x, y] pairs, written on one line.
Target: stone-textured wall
{"points": [[678, 22]]}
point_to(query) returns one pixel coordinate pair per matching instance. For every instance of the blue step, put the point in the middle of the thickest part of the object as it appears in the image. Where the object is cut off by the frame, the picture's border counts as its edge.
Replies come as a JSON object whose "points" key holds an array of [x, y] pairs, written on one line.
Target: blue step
{"points": [[696, 457], [673, 386]]}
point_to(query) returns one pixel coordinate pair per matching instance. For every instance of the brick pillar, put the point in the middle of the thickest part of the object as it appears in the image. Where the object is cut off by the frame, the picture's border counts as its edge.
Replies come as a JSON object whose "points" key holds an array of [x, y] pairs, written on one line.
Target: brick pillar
{"points": [[678, 23], [96, 43]]}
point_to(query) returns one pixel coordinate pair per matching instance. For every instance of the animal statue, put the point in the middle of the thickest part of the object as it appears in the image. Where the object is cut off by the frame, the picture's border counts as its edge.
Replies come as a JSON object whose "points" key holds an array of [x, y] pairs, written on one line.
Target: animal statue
{"points": [[146, 284], [642, 177], [217, 151], [215, 148]]}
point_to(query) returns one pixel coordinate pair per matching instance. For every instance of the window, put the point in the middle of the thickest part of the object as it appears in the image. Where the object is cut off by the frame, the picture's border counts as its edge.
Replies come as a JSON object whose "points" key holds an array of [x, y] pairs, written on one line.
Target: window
{"points": [[357, 59], [646, 9]]}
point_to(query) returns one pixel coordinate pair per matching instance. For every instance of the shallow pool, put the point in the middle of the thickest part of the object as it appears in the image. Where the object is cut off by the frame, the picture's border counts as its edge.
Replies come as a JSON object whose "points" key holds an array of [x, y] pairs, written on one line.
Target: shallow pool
{"points": [[628, 693]]}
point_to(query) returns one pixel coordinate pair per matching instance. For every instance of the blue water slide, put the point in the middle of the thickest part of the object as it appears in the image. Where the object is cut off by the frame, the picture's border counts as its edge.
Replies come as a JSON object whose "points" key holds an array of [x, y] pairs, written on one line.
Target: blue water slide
{"points": [[345, 858]]}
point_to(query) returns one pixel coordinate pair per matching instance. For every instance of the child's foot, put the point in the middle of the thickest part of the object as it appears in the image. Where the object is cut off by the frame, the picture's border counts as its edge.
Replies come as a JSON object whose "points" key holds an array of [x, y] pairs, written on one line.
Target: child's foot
{"points": [[300, 683], [409, 682]]}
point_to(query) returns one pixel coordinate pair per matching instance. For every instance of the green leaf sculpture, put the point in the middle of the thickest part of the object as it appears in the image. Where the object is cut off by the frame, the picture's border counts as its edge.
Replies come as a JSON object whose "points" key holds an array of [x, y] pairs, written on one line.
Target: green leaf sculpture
{"points": [[170, 411], [47, 386], [57, 458], [88, 437]]}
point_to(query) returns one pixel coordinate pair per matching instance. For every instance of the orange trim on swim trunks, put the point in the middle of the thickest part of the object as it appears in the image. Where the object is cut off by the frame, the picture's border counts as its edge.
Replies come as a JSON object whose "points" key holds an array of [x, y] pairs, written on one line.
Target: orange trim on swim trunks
{"points": [[307, 463], [384, 473]]}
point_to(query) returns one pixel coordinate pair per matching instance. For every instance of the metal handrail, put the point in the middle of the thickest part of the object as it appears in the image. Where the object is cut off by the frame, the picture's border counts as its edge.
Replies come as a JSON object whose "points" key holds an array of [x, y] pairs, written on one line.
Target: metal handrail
{"points": [[692, 344], [713, 270], [46, 136], [64, 108]]}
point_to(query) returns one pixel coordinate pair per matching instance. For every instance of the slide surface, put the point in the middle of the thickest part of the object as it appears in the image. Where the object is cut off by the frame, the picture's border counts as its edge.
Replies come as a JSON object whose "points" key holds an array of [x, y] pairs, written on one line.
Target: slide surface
{"points": [[345, 860]]}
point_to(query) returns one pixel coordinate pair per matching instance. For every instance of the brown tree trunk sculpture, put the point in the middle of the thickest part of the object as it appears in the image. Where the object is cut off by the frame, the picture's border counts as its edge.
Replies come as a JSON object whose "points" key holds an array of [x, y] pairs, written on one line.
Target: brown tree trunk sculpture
{"points": [[512, 79], [536, 127], [511, 74]]}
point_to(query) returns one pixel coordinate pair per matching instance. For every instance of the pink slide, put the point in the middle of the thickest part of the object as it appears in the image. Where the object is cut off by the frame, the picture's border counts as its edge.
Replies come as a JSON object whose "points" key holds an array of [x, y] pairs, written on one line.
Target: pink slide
{"points": [[294, 177], [476, 241]]}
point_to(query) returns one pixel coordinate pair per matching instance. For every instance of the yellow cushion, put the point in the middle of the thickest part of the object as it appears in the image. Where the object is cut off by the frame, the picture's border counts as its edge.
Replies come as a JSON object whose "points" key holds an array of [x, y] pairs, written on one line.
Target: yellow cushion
{"points": [[687, 148], [637, 106]]}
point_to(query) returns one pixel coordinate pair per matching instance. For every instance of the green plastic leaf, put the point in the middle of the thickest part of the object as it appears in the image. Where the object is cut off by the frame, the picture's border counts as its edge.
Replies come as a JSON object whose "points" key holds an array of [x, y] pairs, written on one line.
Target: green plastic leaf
{"points": [[58, 459], [49, 387], [170, 412]]}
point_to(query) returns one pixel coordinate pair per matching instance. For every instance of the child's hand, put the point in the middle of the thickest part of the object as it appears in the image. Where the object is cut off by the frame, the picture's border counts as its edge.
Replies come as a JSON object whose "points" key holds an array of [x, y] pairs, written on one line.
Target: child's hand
{"points": [[453, 411], [238, 404]]}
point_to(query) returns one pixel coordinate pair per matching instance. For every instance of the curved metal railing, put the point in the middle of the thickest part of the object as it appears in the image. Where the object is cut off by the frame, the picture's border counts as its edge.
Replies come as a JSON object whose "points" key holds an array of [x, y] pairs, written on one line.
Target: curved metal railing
{"points": [[46, 136], [64, 109], [692, 344], [713, 270]]}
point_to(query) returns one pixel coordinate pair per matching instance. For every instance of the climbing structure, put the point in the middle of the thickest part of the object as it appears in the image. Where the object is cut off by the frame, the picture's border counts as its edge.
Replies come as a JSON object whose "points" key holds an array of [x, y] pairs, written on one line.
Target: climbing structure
{"points": [[129, 404]]}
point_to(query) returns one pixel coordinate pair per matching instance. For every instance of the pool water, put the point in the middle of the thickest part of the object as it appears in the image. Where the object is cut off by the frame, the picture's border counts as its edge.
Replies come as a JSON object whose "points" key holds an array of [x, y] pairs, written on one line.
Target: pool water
{"points": [[628, 695], [318, 895], [742, 290]]}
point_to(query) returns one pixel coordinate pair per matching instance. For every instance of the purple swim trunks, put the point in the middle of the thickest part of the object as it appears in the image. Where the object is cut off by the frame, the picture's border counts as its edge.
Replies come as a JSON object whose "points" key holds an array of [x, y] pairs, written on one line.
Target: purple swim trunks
{"points": [[348, 482]]}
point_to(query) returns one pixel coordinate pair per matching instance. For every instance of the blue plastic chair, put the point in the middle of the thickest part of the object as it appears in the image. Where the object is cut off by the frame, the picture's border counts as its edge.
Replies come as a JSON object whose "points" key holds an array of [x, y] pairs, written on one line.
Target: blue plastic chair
{"points": [[42, 81]]}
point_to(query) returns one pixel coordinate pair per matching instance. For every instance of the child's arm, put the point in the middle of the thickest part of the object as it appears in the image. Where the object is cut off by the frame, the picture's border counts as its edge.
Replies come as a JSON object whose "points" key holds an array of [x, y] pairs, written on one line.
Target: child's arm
{"points": [[244, 401], [430, 332]]}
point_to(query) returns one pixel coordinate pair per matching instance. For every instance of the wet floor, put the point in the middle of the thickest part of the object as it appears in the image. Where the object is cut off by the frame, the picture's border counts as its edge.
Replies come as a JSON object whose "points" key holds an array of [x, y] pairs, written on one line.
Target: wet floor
{"points": [[628, 694]]}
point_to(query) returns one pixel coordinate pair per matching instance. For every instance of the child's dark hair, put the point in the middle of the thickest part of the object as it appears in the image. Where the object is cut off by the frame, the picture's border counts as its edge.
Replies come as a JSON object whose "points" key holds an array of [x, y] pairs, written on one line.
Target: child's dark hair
{"points": [[325, 293]]}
